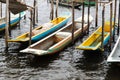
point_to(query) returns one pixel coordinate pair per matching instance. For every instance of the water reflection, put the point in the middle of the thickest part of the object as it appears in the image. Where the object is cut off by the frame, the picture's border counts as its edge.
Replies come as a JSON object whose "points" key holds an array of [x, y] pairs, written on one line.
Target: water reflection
{"points": [[91, 60], [113, 73], [18, 60]]}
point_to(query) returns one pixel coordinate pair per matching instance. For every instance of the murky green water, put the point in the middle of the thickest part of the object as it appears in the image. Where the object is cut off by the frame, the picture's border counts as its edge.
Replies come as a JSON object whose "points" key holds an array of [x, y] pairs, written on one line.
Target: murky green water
{"points": [[69, 64]]}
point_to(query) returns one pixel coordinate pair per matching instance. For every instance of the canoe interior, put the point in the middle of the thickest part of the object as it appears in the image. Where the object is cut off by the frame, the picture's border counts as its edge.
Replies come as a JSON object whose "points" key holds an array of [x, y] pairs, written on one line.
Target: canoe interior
{"points": [[42, 28], [50, 42], [96, 37]]}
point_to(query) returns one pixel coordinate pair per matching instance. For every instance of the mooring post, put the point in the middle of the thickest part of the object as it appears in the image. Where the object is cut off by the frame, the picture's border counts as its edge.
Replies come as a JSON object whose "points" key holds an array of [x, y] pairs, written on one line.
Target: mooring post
{"points": [[24, 15], [83, 7], [7, 25], [103, 23], [115, 8], [19, 20], [0, 9], [118, 20], [73, 24], [111, 10], [36, 11], [52, 10], [31, 26], [9, 29], [88, 16], [34, 4], [96, 17], [56, 12]]}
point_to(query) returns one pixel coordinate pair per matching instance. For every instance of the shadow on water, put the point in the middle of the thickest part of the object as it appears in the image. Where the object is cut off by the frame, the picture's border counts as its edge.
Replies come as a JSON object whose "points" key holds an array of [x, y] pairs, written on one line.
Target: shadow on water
{"points": [[2, 33], [43, 61], [113, 72], [91, 60], [19, 60]]}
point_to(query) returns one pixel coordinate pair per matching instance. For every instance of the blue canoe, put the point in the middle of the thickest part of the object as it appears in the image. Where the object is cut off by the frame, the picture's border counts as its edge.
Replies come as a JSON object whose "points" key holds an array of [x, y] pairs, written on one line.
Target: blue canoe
{"points": [[14, 20], [43, 30]]}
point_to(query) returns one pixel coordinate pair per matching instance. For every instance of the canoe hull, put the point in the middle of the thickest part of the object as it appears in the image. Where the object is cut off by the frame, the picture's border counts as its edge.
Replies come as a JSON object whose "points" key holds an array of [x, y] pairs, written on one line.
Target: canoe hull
{"points": [[43, 30], [93, 42], [62, 44], [67, 41], [46, 33], [114, 56], [13, 22], [57, 41]]}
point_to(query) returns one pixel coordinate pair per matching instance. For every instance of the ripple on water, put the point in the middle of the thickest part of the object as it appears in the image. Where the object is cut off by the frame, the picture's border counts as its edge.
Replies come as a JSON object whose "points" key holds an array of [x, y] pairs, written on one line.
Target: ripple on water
{"points": [[69, 64]]}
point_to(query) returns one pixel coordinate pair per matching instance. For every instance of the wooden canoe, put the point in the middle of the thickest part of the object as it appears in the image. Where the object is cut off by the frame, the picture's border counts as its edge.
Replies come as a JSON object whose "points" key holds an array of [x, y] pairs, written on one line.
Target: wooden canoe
{"points": [[14, 20], [93, 42], [43, 30], [114, 56], [56, 41]]}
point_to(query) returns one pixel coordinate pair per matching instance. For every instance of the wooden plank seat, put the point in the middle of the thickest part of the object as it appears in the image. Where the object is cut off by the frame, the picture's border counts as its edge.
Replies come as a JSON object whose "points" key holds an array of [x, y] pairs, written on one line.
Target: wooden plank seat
{"points": [[63, 34], [60, 36]]}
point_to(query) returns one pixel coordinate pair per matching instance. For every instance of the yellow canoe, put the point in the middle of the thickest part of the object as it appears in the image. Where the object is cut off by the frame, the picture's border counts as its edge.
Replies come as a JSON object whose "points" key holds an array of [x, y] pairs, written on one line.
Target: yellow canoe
{"points": [[43, 30], [93, 42]]}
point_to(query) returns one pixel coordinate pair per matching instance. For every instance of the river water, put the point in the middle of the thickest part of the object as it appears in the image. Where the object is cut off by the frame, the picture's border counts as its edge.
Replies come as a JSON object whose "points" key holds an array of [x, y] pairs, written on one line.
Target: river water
{"points": [[69, 64]]}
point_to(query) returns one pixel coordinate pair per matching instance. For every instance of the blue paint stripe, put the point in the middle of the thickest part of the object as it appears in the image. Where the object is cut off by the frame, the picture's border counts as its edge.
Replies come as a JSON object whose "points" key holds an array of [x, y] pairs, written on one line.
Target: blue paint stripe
{"points": [[48, 32]]}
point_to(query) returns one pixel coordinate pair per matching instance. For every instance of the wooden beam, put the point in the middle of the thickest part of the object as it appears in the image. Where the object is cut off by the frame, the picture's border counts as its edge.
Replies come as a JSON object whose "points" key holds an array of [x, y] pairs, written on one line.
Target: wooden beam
{"points": [[7, 25], [96, 16], [31, 26], [73, 22], [88, 16], [111, 10], [56, 12], [36, 12], [118, 30], [0, 9], [83, 8], [103, 23], [115, 8], [34, 4], [52, 10]]}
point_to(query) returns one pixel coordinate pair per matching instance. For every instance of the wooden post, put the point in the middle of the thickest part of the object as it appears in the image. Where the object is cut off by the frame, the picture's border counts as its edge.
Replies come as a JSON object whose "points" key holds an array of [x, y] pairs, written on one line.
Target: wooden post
{"points": [[9, 29], [118, 20], [24, 15], [111, 10], [96, 17], [0, 9], [19, 20], [34, 12], [7, 25], [88, 16], [56, 12], [103, 20], [83, 16], [52, 10], [31, 25], [115, 8], [73, 22]]}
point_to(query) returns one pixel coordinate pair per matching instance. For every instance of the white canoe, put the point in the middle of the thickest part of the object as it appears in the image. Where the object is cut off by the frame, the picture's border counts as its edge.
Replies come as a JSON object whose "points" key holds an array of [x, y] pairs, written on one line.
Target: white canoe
{"points": [[114, 56]]}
